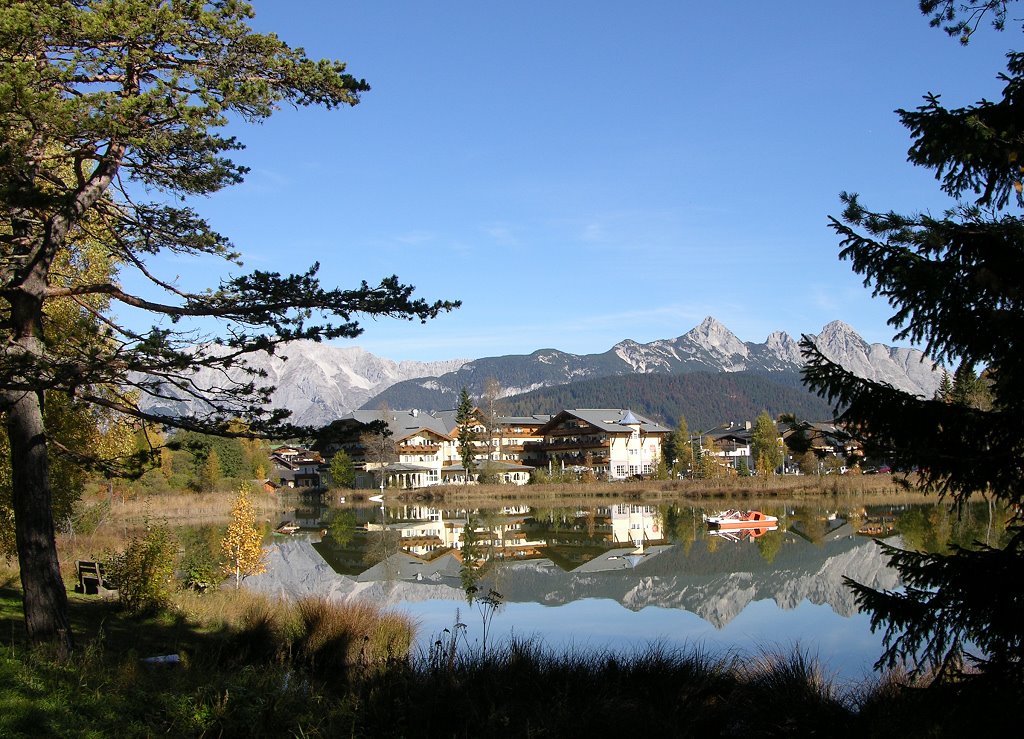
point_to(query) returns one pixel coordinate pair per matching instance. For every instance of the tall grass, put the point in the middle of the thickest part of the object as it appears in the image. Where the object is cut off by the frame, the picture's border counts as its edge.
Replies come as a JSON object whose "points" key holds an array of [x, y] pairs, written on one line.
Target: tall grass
{"points": [[326, 639], [522, 689], [180, 505], [779, 694], [253, 666], [10, 575], [792, 487]]}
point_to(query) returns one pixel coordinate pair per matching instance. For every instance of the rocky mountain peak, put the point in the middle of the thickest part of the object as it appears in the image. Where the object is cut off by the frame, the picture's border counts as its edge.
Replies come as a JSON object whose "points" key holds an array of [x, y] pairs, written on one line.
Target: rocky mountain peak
{"points": [[711, 335], [783, 346], [905, 369], [838, 338], [320, 383]]}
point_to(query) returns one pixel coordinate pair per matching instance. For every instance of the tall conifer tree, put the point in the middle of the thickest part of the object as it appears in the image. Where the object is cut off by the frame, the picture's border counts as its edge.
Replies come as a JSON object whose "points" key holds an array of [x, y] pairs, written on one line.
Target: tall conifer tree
{"points": [[955, 284], [467, 437], [105, 104]]}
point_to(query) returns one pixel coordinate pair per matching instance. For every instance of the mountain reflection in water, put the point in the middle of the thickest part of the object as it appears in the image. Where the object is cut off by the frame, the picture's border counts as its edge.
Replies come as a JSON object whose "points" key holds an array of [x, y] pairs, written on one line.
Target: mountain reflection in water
{"points": [[610, 577]]}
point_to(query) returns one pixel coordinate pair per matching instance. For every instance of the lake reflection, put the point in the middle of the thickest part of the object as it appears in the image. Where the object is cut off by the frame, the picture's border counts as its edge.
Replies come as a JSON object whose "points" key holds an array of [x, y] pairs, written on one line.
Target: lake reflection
{"points": [[616, 577]]}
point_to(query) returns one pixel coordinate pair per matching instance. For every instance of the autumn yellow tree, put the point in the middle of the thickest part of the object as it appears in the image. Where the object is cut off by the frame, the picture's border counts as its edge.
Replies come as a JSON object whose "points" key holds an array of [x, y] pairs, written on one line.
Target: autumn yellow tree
{"points": [[243, 541]]}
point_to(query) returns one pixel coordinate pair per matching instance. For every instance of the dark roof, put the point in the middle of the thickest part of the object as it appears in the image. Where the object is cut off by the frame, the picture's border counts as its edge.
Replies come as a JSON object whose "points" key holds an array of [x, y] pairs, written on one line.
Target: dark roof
{"points": [[608, 419]]}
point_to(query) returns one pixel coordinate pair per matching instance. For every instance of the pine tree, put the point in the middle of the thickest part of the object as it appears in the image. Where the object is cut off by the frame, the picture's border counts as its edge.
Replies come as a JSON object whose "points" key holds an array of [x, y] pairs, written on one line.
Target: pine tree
{"points": [[243, 542], [103, 105], [467, 437], [343, 469], [661, 469], [954, 282], [969, 389]]}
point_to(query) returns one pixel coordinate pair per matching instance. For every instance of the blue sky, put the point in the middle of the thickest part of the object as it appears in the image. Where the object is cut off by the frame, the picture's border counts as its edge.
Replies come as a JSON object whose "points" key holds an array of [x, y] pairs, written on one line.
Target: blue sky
{"points": [[582, 172]]}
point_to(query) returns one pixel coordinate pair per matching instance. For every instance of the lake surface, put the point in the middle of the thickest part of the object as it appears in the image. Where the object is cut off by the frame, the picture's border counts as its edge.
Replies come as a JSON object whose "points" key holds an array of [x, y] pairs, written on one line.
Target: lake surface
{"points": [[620, 577]]}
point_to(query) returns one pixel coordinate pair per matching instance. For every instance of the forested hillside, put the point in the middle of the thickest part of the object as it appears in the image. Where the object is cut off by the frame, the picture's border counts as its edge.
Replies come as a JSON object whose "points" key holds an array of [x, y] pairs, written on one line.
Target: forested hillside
{"points": [[706, 399]]}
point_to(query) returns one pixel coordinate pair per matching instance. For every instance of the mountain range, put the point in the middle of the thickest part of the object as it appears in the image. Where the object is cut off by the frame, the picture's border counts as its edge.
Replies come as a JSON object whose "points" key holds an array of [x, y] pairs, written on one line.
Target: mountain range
{"points": [[319, 383], [708, 348]]}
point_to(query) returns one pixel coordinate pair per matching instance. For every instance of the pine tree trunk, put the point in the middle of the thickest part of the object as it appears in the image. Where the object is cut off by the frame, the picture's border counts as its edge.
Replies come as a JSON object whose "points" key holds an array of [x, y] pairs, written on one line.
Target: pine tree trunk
{"points": [[45, 597]]}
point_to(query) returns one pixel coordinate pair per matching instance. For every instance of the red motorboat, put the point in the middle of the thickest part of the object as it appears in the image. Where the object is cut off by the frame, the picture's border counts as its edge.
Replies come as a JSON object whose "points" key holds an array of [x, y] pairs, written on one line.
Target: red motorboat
{"points": [[732, 519]]}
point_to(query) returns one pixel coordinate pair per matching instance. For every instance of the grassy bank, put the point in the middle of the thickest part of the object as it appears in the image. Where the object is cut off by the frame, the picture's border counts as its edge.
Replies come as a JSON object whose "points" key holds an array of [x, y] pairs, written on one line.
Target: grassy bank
{"points": [[214, 507], [177, 506], [251, 667], [779, 488]]}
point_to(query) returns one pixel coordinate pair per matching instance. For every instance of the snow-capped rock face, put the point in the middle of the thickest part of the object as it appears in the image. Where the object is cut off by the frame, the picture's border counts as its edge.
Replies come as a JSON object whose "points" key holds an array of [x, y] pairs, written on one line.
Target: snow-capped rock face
{"points": [[784, 348], [320, 383], [317, 382], [717, 341], [657, 356], [906, 369], [709, 347]]}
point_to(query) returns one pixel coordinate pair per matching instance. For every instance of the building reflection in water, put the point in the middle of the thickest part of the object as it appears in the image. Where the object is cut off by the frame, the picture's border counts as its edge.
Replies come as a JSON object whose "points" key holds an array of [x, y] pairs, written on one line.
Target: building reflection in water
{"points": [[634, 569]]}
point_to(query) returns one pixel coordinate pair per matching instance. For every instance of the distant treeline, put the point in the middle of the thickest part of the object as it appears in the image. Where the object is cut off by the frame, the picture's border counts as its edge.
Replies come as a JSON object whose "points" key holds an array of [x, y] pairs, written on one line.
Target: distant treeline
{"points": [[202, 463], [705, 399]]}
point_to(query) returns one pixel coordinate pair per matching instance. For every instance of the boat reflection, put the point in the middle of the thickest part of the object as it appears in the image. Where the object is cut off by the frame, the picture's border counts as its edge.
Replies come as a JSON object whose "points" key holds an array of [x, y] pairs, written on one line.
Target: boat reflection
{"points": [[740, 533], [736, 525]]}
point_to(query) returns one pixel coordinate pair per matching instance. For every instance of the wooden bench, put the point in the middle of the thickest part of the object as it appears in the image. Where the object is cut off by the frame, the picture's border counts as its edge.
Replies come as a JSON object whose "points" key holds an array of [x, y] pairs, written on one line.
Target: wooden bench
{"points": [[92, 579]]}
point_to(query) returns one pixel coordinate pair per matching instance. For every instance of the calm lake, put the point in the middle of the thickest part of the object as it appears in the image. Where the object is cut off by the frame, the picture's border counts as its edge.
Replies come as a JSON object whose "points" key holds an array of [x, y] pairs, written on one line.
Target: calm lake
{"points": [[620, 576]]}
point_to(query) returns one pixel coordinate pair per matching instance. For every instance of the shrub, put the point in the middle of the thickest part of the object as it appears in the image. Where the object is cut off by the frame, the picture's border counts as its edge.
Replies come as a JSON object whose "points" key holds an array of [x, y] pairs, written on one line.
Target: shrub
{"points": [[201, 566], [144, 571]]}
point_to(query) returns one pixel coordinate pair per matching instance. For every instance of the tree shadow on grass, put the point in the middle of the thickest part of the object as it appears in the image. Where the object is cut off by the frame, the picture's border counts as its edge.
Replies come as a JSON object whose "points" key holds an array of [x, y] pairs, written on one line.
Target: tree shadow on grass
{"points": [[101, 625]]}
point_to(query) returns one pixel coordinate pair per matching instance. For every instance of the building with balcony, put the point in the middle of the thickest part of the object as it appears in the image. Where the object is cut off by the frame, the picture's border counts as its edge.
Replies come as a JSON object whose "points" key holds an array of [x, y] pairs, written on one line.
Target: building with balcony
{"points": [[614, 443]]}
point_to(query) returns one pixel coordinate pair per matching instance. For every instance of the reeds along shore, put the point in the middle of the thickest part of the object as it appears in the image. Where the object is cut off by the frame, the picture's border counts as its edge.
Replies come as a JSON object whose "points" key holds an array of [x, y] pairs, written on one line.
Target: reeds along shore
{"points": [[188, 506], [244, 665], [795, 487]]}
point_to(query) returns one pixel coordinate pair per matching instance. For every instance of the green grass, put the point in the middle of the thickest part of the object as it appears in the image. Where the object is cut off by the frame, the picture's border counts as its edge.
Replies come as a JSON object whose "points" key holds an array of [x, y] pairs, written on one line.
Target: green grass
{"points": [[252, 667]]}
